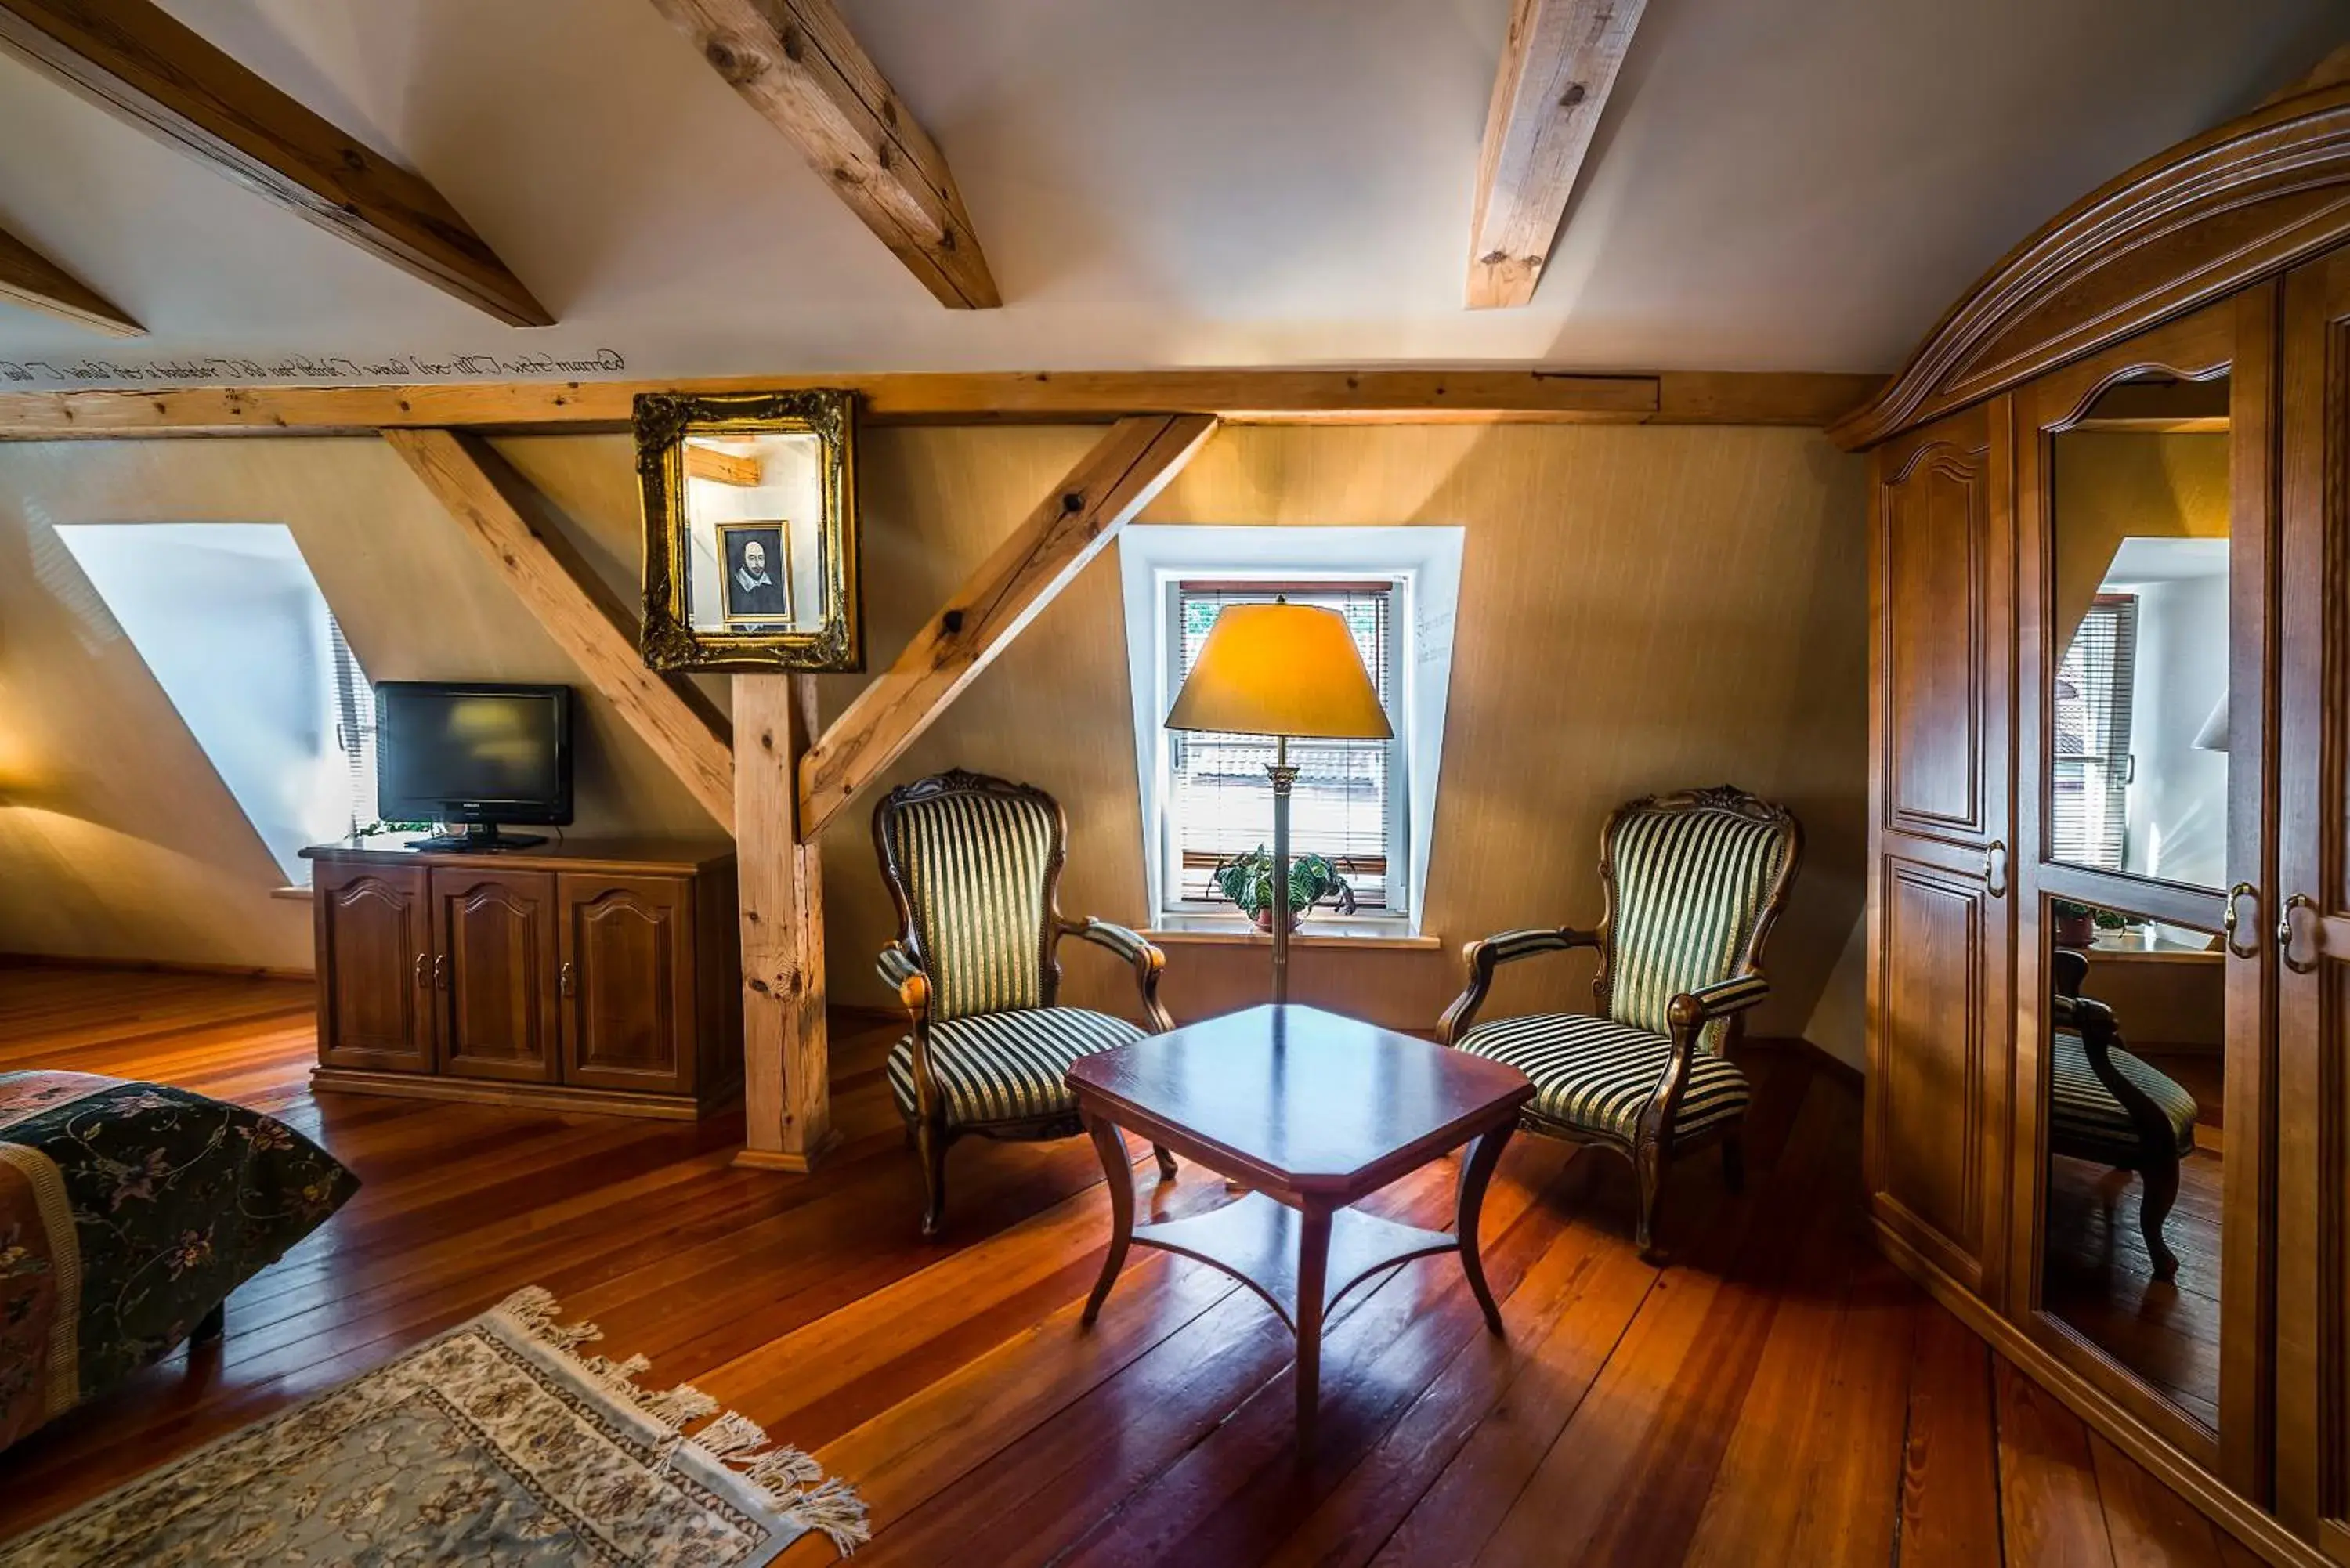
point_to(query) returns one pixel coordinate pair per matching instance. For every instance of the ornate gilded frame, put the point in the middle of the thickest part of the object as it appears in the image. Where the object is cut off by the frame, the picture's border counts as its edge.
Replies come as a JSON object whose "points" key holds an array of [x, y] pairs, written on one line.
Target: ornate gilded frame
{"points": [[669, 639]]}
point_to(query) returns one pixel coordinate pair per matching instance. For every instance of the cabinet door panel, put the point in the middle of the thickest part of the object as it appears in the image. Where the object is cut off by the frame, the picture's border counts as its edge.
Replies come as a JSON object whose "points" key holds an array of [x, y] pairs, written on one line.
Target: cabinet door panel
{"points": [[1940, 941], [1943, 629], [495, 971], [2313, 1232], [628, 983], [374, 950], [1941, 1076]]}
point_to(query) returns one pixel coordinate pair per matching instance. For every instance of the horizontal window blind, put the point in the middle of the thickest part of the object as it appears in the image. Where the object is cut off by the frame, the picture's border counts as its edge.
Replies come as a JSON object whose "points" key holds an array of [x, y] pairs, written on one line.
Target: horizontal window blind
{"points": [[2089, 778], [354, 726], [1218, 800]]}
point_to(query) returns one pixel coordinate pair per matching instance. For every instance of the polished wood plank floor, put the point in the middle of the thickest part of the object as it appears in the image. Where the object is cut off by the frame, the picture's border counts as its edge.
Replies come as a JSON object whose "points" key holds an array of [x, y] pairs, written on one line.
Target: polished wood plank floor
{"points": [[1779, 1395]]}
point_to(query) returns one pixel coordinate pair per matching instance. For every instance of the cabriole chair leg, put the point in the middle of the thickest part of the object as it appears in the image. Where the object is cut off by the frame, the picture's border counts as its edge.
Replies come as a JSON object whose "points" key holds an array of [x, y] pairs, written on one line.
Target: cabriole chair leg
{"points": [[931, 1143], [1166, 1162]]}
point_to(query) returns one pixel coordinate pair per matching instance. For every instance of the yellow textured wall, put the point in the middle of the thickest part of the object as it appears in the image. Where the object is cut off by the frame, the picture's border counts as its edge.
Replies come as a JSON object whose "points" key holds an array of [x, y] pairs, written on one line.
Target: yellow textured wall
{"points": [[1642, 610]]}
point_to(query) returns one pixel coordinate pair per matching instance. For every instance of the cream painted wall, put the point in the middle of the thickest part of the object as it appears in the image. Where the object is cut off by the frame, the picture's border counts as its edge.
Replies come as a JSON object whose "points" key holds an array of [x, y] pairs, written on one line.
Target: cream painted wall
{"points": [[116, 839], [1642, 610]]}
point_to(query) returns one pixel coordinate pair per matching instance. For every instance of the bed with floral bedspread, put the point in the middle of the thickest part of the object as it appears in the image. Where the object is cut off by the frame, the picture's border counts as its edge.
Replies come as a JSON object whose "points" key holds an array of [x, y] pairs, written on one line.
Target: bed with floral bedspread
{"points": [[128, 1212]]}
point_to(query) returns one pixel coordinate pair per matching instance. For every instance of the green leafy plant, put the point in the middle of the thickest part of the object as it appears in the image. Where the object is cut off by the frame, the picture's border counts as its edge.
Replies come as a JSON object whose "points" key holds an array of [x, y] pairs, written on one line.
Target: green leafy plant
{"points": [[1247, 881], [2073, 910]]}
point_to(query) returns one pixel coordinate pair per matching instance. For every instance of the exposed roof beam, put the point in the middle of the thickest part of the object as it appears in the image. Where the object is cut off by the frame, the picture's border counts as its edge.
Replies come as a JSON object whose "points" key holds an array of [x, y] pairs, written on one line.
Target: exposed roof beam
{"points": [[1236, 396], [1558, 64], [721, 467], [141, 65], [1071, 526], [796, 63], [32, 280], [501, 513]]}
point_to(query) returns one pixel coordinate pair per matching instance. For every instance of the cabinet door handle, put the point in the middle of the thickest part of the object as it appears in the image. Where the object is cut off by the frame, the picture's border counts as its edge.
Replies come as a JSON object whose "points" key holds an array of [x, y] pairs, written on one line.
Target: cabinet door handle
{"points": [[441, 970], [423, 979], [563, 978], [1995, 868], [2228, 920], [2284, 934]]}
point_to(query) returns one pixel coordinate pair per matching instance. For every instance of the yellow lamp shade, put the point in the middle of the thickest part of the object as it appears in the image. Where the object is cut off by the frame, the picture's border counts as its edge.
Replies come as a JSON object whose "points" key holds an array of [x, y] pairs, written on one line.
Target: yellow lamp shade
{"points": [[1281, 669]]}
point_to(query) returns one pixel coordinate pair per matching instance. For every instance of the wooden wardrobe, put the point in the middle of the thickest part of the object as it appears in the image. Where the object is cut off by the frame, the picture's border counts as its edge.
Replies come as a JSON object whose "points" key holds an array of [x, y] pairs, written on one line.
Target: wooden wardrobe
{"points": [[2228, 258]]}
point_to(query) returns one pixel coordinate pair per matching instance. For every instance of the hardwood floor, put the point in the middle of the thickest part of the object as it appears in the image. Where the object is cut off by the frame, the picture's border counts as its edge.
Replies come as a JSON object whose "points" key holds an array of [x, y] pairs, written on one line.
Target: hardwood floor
{"points": [[1779, 1395], [2100, 1279]]}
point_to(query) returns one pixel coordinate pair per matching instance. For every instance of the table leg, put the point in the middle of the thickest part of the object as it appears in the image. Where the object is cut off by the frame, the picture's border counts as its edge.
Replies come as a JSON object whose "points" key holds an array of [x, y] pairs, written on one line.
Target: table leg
{"points": [[1119, 1173], [1312, 1277], [1476, 1172]]}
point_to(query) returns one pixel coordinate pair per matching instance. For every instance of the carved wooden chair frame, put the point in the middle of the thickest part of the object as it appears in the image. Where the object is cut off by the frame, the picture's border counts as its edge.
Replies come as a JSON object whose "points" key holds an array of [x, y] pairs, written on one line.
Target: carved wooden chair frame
{"points": [[1657, 1142], [2156, 1162], [928, 1129]]}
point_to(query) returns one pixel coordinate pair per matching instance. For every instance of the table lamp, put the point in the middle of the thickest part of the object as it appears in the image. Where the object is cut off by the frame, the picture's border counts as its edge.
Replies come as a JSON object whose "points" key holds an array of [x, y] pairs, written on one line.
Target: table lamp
{"points": [[1281, 669]]}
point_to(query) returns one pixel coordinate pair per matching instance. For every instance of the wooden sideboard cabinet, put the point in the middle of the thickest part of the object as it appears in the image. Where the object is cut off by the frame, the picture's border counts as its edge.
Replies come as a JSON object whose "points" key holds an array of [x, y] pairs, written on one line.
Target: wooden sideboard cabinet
{"points": [[598, 976]]}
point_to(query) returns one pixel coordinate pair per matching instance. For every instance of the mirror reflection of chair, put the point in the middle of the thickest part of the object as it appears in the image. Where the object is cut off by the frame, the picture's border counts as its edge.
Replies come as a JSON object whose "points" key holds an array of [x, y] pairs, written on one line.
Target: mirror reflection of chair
{"points": [[973, 864], [1691, 885], [2108, 1106]]}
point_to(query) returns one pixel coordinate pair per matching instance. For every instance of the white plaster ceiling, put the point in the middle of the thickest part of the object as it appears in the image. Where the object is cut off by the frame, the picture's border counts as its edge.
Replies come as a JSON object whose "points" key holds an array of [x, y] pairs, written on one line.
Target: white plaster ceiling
{"points": [[1778, 184]]}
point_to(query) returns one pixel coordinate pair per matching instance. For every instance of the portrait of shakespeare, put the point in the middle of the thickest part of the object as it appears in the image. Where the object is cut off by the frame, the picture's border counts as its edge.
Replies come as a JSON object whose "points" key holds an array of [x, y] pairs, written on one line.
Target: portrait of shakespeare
{"points": [[758, 586]]}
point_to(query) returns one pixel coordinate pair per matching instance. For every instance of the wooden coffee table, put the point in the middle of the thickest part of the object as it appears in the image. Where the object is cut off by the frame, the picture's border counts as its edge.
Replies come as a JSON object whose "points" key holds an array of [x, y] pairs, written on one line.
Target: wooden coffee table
{"points": [[1310, 1111]]}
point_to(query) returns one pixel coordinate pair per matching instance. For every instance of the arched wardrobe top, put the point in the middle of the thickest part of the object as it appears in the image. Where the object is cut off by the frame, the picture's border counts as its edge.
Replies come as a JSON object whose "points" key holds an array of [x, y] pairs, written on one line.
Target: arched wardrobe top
{"points": [[2222, 210]]}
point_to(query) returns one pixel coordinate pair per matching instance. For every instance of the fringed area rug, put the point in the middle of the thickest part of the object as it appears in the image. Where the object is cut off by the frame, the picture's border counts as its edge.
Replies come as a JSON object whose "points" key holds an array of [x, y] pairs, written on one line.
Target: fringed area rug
{"points": [[496, 1444]]}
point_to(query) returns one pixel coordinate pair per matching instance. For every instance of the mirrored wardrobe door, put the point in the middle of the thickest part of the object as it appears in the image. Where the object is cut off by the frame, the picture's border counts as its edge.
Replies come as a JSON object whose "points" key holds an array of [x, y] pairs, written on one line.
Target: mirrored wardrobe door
{"points": [[2310, 931], [2142, 1061]]}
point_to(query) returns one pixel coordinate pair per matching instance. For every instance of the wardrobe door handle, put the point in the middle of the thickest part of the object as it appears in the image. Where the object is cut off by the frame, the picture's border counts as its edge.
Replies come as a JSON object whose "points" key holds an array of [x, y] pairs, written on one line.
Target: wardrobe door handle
{"points": [[2228, 920], [423, 979], [440, 972], [563, 979], [2284, 934], [1995, 868]]}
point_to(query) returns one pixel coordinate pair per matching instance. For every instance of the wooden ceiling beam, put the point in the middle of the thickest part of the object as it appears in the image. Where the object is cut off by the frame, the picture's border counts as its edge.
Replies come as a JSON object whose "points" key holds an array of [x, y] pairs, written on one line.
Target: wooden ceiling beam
{"points": [[144, 67], [1559, 62], [1235, 396], [32, 280], [721, 467], [507, 518], [1068, 528], [798, 64]]}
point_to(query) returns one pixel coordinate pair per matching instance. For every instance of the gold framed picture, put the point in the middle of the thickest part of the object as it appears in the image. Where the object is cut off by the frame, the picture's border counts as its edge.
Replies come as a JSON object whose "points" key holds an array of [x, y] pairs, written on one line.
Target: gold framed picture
{"points": [[755, 587], [751, 549]]}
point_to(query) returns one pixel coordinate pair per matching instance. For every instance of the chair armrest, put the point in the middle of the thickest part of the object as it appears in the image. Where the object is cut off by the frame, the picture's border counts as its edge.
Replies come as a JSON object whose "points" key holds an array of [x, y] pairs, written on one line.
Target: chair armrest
{"points": [[1483, 957], [1693, 1010], [896, 967], [1149, 961]]}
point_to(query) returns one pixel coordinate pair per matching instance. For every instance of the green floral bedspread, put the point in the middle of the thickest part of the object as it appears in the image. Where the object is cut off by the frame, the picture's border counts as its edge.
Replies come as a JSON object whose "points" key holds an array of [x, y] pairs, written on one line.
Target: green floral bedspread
{"points": [[127, 1212]]}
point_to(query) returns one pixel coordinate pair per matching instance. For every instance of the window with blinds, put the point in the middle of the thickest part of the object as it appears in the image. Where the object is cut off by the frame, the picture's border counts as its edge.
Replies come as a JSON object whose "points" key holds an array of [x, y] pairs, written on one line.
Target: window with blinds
{"points": [[1349, 800], [354, 727], [2089, 778]]}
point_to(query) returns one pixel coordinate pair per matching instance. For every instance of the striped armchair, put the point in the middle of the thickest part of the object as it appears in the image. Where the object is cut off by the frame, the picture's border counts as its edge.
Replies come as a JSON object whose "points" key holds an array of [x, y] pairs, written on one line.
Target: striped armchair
{"points": [[2108, 1106], [1692, 884], [973, 864]]}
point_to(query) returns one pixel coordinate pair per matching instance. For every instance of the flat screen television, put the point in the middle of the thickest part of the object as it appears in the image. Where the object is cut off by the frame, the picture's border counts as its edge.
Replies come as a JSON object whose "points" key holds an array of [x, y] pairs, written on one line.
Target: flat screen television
{"points": [[477, 753]]}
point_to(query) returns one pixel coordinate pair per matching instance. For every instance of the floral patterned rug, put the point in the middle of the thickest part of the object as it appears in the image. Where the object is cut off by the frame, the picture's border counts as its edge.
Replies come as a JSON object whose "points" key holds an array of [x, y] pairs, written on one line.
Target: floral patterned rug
{"points": [[496, 1444]]}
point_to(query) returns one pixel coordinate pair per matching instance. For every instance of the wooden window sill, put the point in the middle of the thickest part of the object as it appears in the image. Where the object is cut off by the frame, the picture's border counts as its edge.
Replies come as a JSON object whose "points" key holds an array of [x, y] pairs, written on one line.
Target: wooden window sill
{"points": [[1329, 934]]}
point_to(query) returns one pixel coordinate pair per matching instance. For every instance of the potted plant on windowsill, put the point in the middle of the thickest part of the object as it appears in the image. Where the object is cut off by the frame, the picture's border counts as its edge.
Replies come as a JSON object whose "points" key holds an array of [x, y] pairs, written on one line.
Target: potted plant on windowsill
{"points": [[1247, 881], [2077, 924]]}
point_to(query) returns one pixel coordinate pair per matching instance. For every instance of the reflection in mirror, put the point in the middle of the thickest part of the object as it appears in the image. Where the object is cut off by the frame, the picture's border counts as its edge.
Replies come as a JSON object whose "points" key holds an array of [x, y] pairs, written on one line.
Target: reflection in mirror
{"points": [[2138, 529], [2131, 1242], [753, 511]]}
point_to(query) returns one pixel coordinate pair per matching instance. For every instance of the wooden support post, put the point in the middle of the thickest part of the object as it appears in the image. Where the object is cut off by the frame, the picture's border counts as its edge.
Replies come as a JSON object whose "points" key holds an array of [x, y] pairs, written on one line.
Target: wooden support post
{"points": [[1069, 527], [786, 1072]]}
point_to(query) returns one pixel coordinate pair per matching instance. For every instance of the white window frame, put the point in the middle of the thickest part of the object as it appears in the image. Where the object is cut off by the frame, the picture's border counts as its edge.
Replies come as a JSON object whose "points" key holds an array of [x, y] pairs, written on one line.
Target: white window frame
{"points": [[1423, 560], [1398, 845]]}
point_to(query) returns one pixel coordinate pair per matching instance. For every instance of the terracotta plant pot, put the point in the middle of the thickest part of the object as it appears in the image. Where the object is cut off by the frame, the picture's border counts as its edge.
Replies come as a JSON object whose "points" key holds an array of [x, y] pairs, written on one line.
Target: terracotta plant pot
{"points": [[2075, 930], [1264, 921]]}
